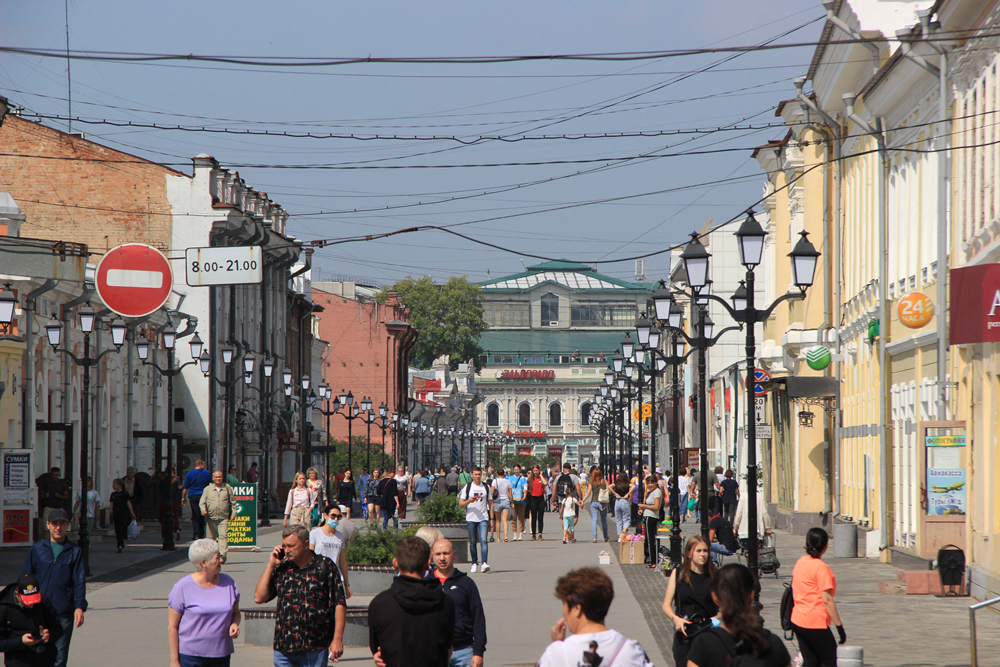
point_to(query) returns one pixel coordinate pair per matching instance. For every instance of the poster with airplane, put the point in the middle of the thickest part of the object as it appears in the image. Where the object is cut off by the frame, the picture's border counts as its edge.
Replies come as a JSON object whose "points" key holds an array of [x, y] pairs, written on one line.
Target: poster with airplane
{"points": [[945, 491]]}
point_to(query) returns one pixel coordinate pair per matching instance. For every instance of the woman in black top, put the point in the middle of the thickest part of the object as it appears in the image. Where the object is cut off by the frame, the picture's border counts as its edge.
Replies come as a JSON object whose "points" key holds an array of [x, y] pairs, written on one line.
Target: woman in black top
{"points": [[689, 595], [346, 492], [122, 512], [170, 489], [742, 630]]}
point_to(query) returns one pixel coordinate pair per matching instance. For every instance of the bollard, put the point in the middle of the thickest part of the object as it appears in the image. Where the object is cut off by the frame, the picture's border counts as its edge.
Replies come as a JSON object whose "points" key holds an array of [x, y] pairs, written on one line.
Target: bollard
{"points": [[845, 540], [850, 656]]}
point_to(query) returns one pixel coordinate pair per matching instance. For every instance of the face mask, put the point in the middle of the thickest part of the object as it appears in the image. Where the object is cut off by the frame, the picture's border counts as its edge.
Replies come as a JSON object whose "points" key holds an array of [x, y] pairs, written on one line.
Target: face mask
{"points": [[333, 523]]}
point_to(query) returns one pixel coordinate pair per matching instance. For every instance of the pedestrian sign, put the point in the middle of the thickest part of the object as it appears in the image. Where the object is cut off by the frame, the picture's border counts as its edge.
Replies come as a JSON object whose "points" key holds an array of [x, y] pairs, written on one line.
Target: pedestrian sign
{"points": [[760, 375], [242, 531]]}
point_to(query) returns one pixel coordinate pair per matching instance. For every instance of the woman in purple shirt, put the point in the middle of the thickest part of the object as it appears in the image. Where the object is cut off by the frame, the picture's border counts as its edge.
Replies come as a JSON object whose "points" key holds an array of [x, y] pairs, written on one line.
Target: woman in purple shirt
{"points": [[204, 611]]}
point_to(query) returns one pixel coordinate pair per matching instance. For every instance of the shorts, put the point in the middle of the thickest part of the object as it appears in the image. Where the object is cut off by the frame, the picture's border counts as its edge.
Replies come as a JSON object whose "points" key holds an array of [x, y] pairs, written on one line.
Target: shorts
{"points": [[421, 496], [568, 522], [375, 500], [501, 505]]}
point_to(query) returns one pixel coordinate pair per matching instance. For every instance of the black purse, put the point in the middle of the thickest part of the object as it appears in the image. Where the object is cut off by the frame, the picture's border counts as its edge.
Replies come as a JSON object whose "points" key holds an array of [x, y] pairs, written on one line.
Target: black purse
{"points": [[697, 624]]}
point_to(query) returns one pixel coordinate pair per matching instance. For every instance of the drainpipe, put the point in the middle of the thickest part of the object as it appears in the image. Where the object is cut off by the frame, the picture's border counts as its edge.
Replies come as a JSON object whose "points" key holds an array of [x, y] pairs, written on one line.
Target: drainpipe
{"points": [[883, 313], [832, 17], [28, 372], [831, 310]]}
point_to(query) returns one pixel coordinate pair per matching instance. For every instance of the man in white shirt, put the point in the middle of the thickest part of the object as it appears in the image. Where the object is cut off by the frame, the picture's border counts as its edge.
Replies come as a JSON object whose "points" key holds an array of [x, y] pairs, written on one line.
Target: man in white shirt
{"points": [[475, 498], [683, 485]]}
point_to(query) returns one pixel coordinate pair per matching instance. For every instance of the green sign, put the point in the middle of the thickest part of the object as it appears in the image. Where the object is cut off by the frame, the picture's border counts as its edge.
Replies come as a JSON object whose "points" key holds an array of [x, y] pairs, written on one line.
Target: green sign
{"points": [[243, 529], [818, 358]]}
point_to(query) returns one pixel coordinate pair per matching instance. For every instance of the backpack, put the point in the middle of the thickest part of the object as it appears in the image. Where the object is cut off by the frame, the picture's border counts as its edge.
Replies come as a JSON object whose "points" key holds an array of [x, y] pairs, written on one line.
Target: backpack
{"points": [[736, 659], [787, 604], [564, 486]]}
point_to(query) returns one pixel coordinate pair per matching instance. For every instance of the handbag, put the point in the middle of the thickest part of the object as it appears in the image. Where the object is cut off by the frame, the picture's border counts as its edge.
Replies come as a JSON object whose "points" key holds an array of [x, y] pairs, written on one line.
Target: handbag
{"points": [[604, 495], [698, 623], [693, 504]]}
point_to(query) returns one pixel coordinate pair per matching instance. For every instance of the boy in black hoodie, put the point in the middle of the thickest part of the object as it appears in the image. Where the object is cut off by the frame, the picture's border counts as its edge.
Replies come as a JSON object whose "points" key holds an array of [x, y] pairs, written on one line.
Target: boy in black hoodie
{"points": [[29, 625], [413, 622]]}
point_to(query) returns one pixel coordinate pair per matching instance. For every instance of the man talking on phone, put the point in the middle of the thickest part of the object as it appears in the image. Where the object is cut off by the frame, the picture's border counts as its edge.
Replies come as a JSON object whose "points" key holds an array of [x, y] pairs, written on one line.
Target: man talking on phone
{"points": [[312, 604], [475, 498]]}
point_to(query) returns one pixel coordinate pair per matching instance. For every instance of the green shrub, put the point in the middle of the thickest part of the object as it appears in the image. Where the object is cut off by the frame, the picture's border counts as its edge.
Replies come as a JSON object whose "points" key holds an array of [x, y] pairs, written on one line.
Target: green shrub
{"points": [[375, 546], [441, 508]]}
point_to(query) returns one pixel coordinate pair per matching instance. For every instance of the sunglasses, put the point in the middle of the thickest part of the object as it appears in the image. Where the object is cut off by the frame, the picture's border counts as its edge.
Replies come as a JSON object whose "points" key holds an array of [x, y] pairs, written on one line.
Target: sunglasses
{"points": [[336, 516]]}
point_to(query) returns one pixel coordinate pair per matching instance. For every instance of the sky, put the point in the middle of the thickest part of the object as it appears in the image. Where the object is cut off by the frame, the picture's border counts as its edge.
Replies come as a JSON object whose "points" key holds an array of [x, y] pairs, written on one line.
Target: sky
{"points": [[604, 199]]}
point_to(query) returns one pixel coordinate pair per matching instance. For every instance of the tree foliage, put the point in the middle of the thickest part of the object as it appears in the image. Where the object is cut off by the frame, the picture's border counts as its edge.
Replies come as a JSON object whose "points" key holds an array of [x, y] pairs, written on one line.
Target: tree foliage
{"points": [[449, 318]]}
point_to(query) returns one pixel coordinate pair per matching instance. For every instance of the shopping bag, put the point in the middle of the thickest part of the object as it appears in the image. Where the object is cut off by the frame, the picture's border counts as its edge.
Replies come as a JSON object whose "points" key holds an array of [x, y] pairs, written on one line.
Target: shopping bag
{"points": [[133, 530]]}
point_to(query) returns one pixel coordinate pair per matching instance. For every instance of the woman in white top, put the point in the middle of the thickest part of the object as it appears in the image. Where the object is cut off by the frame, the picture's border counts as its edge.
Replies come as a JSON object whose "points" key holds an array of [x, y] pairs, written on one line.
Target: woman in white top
{"points": [[503, 500], [300, 501], [327, 541], [315, 485], [651, 517]]}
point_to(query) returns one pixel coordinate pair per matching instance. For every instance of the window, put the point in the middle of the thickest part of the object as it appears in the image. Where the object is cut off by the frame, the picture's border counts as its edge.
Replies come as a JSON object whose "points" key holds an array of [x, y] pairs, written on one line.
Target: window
{"points": [[602, 315], [493, 414], [585, 414], [503, 358], [507, 314], [555, 415], [550, 309], [524, 415]]}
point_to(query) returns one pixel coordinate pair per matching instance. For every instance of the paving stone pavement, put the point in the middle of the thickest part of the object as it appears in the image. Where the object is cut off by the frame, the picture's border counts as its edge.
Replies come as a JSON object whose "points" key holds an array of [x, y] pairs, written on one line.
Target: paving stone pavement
{"points": [[894, 630]]}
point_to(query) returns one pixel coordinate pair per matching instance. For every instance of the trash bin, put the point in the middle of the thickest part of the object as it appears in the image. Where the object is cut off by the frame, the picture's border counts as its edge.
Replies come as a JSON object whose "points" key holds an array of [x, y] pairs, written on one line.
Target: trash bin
{"points": [[951, 568], [845, 540]]}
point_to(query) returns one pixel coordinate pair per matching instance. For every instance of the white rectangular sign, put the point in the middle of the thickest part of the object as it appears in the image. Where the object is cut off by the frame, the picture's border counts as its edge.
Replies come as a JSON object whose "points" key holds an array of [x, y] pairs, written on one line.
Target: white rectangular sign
{"points": [[760, 403], [763, 431], [240, 265]]}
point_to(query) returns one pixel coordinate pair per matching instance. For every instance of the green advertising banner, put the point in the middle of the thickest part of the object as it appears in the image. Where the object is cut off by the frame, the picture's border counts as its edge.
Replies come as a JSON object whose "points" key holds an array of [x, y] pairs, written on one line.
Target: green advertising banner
{"points": [[243, 529]]}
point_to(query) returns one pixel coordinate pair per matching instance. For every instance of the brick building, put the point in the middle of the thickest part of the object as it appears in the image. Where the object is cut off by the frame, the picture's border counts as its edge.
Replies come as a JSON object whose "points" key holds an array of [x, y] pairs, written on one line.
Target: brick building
{"points": [[369, 352]]}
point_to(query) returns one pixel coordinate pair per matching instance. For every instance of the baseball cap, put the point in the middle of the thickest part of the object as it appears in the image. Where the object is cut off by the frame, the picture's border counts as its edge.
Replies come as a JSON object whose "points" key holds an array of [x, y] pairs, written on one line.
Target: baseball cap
{"points": [[28, 588], [343, 509], [659, 470], [58, 515]]}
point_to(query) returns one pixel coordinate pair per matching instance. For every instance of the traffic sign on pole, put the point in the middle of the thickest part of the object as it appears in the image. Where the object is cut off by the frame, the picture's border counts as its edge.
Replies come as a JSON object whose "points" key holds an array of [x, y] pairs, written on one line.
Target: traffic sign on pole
{"points": [[134, 279], [760, 375]]}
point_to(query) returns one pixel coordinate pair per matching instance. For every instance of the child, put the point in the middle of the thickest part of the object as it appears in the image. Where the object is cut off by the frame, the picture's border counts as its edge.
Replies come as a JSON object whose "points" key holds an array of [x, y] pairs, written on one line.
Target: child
{"points": [[569, 518]]}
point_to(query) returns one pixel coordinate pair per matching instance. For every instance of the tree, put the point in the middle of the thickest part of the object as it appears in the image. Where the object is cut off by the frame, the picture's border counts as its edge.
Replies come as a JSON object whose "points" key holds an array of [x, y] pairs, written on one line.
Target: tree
{"points": [[449, 318]]}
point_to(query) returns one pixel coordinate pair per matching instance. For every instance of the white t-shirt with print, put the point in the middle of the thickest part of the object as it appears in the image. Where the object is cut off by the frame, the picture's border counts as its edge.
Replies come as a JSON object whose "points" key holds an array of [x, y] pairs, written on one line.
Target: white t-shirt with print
{"points": [[478, 510], [327, 545], [614, 649]]}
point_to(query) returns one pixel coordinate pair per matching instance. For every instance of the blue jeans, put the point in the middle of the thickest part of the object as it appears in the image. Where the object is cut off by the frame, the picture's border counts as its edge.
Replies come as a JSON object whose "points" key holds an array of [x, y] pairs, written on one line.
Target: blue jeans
{"points": [[598, 510], [461, 657], [623, 514], [62, 644], [317, 659], [388, 515], [198, 661], [478, 533]]}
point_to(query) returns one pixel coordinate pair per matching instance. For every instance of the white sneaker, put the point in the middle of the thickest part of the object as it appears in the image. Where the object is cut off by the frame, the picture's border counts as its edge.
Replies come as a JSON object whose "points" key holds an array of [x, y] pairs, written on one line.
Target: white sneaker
{"points": [[474, 568], [486, 567]]}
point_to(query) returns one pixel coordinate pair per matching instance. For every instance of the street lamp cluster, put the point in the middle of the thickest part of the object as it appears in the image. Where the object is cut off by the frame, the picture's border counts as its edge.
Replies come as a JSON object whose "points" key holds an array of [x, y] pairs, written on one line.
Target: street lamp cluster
{"points": [[639, 365]]}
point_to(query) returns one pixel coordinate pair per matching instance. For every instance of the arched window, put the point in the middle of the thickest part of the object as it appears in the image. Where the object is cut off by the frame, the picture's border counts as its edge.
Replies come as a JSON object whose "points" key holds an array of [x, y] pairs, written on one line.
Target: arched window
{"points": [[585, 414], [493, 414], [524, 415], [550, 309], [555, 415]]}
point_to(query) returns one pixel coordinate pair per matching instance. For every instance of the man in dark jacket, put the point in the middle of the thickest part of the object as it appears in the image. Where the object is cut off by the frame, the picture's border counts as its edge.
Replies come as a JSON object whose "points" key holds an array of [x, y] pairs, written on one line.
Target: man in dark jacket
{"points": [[29, 625], [469, 641], [58, 564], [412, 623]]}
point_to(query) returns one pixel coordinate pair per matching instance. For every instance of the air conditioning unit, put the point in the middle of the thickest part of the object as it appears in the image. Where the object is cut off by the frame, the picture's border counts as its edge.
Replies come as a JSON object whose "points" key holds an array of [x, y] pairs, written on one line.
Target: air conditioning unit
{"points": [[554, 323]]}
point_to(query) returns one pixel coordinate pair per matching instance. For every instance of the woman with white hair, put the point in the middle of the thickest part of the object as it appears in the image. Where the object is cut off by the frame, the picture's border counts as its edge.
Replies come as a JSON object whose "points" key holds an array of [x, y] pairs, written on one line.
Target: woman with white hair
{"points": [[203, 611]]}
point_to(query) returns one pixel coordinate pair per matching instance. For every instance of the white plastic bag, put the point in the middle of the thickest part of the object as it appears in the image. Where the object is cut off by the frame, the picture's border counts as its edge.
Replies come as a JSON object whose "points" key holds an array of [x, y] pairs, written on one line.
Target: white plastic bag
{"points": [[133, 530]]}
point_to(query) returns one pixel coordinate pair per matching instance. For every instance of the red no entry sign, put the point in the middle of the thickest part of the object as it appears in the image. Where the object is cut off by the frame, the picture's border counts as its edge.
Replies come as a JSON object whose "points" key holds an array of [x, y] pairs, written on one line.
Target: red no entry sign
{"points": [[134, 279]]}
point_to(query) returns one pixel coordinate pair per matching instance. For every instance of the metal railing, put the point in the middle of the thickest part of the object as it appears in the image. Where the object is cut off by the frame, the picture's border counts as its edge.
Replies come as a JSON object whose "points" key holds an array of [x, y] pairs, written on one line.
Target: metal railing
{"points": [[972, 626]]}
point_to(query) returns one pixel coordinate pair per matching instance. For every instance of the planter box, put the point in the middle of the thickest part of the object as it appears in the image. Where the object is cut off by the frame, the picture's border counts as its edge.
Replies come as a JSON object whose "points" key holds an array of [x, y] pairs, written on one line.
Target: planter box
{"points": [[370, 579], [258, 626]]}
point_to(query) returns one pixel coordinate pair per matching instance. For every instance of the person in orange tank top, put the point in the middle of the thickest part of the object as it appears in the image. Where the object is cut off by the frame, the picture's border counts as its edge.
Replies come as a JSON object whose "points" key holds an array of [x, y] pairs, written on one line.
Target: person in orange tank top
{"points": [[813, 588]]}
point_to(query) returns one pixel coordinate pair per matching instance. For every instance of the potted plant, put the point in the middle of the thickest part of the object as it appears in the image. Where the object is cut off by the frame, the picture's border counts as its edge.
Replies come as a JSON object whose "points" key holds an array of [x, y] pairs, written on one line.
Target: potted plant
{"points": [[370, 556]]}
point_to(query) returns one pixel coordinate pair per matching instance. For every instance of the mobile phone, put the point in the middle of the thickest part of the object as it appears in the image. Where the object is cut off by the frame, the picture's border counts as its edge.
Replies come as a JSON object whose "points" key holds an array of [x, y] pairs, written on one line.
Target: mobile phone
{"points": [[281, 553]]}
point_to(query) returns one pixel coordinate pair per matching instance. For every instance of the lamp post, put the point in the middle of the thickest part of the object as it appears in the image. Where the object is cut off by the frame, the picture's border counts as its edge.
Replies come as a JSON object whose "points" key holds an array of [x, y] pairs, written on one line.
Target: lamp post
{"points": [[54, 332], [169, 338], [351, 412]]}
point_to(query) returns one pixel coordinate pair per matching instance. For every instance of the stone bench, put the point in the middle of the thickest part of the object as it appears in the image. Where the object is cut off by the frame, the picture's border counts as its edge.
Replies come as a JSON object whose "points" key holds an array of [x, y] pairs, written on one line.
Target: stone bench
{"points": [[258, 626]]}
